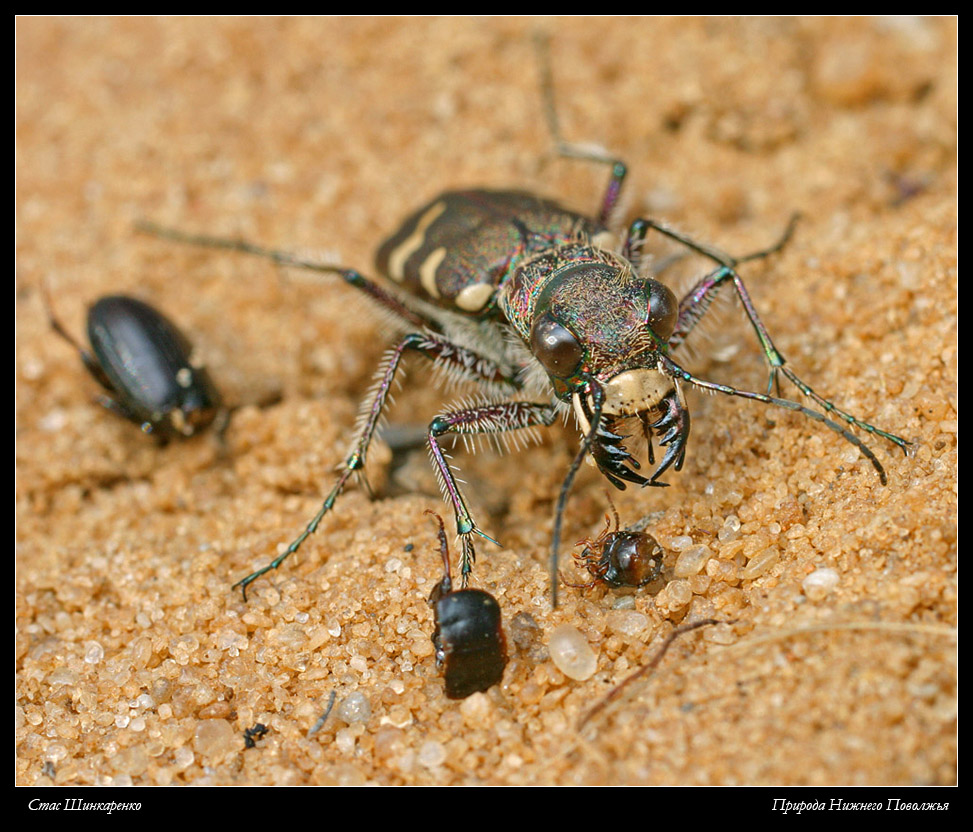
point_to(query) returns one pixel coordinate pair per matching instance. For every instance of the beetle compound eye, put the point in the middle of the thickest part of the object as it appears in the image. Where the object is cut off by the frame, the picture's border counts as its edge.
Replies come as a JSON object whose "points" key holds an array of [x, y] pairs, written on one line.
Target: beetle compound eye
{"points": [[663, 309], [555, 347]]}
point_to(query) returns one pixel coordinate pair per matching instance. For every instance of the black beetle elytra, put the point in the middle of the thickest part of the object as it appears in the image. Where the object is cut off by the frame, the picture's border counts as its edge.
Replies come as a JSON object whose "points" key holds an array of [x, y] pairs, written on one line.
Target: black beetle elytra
{"points": [[146, 366], [469, 640]]}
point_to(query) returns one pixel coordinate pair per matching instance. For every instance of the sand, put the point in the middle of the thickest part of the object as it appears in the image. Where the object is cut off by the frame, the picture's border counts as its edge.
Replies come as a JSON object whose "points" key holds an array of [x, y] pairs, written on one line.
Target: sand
{"points": [[136, 661]]}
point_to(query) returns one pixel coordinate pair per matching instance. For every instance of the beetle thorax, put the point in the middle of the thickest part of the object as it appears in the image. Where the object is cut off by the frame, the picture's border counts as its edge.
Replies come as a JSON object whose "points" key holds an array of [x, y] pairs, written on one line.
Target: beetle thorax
{"points": [[581, 309]]}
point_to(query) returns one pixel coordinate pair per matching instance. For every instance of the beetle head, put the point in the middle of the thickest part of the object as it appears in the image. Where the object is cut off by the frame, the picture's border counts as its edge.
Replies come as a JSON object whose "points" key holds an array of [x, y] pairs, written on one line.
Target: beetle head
{"points": [[595, 324]]}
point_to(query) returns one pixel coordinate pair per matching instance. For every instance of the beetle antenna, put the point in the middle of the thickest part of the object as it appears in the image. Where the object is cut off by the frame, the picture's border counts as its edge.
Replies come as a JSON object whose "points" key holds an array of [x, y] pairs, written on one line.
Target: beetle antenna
{"points": [[598, 396]]}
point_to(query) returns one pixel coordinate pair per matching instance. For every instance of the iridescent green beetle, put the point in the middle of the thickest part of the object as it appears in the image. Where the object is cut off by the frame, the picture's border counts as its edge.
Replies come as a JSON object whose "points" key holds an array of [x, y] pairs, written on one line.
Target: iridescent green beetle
{"points": [[531, 301]]}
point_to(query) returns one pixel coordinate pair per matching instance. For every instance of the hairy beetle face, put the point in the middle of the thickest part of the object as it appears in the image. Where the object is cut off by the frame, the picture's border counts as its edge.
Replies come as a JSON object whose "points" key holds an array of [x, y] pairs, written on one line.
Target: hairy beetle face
{"points": [[596, 323], [598, 319]]}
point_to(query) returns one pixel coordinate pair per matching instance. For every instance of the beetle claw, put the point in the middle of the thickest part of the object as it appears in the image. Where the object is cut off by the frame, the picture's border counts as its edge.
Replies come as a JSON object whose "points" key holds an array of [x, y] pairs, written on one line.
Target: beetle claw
{"points": [[613, 458], [676, 424]]}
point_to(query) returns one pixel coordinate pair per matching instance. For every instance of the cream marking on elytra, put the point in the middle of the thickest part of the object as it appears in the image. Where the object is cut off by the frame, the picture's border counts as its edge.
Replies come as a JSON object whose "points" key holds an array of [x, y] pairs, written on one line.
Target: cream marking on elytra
{"points": [[411, 244], [474, 298], [427, 271]]}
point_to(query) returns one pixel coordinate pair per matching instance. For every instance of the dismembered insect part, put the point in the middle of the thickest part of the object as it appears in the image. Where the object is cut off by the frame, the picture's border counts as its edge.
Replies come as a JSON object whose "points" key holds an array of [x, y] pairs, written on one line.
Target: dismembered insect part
{"points": [[619, 558], [146, 366], [319, 723], [469, 640]]}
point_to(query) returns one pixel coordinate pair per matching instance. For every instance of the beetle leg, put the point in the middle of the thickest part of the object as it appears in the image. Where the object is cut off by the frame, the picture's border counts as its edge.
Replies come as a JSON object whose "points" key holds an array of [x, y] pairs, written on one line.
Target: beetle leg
{"points": [[676, 371], [445, 586], [405, 315], [588, 585], [632, 247], [713, 253], [464, 361], [119, 409], [576, 151], [694, 305], [482, 419], [90, 362]]}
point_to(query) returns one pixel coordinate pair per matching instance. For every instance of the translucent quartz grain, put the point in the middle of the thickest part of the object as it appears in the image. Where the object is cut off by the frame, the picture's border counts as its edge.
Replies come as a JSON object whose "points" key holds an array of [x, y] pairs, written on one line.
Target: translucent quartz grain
{"points": [[355, 708], [761, 563], [692, 561], [819, 583], [571, 653]]}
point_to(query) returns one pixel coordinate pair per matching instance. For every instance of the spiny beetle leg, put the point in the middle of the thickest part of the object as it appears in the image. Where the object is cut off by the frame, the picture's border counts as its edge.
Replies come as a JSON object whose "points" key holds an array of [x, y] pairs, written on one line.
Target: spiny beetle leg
{"points": [[436, 348], [693, 306], [385, 299], [296, 543], [576, 151], [713, 253], [471, 421], [695, 303], [640, 227], [676, 371]]}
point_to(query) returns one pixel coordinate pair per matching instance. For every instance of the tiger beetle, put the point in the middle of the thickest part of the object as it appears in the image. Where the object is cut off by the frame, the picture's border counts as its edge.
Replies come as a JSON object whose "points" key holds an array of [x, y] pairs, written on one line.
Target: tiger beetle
{"points": [[532, 301], [146, 366], [469, 641], [619, 557]]}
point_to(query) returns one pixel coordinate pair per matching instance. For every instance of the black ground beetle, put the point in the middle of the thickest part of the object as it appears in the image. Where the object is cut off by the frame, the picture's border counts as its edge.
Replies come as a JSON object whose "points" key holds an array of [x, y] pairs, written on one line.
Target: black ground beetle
{"points": [[619, 557], [533, 302], [469, 640], [146, 366]]}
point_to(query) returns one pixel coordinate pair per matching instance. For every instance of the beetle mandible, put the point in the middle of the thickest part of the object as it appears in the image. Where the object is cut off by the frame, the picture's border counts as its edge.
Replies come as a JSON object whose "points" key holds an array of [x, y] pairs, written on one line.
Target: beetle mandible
{"points": [[530, 300]]}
